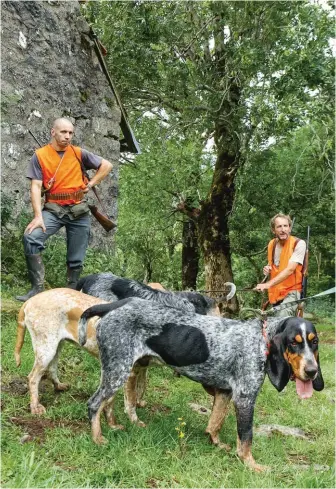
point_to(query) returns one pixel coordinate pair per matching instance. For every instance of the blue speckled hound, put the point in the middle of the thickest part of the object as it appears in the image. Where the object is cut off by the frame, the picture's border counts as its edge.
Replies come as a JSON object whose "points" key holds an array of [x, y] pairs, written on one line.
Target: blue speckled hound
{"points": [[112, 288], [229, 357]]}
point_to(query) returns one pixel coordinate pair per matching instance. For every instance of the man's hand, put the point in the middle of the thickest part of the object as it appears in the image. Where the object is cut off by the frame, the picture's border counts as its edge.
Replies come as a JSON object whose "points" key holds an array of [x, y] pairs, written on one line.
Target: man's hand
{"points": [[37, 222], [261, 287], [267, 269]]}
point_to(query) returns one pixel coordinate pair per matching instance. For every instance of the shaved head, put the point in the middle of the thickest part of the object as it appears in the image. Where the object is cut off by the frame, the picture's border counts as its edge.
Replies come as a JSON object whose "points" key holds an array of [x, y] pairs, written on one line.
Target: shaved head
{"points": [[60, 121], [62, 132]]}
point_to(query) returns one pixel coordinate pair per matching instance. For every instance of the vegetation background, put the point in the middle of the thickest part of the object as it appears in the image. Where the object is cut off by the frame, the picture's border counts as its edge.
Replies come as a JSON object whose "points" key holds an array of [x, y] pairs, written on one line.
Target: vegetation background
{"points": [[233, 104]]}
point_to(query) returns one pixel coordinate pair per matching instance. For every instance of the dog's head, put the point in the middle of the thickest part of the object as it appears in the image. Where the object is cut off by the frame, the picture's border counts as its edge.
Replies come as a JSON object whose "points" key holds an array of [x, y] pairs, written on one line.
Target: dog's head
{"points": [[294, 355]]}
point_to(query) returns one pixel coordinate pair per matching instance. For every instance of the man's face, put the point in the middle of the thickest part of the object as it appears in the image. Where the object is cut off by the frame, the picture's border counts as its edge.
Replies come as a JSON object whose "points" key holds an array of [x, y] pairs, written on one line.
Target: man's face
{"points": [[281, 229], [62, 133]]}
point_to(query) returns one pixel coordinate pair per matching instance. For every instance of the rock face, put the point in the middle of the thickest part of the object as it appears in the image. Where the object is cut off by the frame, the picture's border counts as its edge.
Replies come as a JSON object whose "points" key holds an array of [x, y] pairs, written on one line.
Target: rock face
{"points": [[50, 70]]}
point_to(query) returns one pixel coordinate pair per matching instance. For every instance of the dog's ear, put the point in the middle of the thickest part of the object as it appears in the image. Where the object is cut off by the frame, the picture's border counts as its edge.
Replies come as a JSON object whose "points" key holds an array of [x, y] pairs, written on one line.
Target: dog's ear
{"points": [[318, 383], [277, 368]]}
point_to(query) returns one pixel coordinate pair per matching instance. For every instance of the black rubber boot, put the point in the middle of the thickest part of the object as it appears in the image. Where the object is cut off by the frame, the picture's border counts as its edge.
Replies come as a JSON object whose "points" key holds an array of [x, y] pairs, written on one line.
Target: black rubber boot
{"points": [[36, 277], [73, 275]]}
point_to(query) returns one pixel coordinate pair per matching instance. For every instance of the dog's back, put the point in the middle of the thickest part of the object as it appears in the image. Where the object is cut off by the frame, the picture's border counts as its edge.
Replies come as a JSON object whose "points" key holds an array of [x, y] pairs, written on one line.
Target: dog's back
{"points": [[52, 314], [111, 288]]}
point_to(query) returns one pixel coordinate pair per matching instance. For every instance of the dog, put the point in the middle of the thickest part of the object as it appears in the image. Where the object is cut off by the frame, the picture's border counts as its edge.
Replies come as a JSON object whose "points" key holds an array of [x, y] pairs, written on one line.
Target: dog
{"points": [[111, 288], [229, 357], [52, 317]]}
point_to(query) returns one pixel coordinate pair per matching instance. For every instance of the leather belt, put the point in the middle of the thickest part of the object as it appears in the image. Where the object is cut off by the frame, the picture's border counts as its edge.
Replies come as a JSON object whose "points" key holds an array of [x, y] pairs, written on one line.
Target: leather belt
{"points": [[78, 195]]}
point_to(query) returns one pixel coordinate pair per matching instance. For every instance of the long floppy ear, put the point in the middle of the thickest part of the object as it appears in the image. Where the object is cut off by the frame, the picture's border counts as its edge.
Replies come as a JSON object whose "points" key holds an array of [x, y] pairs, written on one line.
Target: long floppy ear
{"points": [[277, 368], [318, 383]]}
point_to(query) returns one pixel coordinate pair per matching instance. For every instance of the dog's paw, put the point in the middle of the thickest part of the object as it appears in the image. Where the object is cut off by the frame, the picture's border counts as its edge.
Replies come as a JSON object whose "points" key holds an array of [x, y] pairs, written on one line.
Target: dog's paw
{"points": [[114, 426], [224, 446], [141, 424], [141, 404], [100, 440], [61, 386], [37, 409], [257, 467], [214, 439]]}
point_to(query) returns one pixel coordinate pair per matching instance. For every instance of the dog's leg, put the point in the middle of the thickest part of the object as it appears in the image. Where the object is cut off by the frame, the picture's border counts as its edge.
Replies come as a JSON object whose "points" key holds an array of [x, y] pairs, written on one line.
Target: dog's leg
{"points": [[130, 394], [219, 411], [53, 373], [110, 417], [103, 397], [43, 357], [141, 383], [244, 412]]}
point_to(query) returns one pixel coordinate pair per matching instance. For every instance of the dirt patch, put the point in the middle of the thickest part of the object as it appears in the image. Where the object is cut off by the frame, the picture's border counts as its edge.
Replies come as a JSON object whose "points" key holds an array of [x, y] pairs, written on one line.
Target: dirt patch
{"points": [[17, 386], [158, 408], [81, 396], [35, 428]]}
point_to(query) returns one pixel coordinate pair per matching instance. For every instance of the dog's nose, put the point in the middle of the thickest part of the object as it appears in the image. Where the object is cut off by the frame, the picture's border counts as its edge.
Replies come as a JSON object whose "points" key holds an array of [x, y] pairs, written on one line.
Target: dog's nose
{"points": [[310, 371]]}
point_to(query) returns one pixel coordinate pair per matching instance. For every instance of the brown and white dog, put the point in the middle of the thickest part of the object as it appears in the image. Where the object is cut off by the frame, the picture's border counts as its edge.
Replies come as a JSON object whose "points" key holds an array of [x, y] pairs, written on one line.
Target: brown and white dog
{"points": [[51, 317]]}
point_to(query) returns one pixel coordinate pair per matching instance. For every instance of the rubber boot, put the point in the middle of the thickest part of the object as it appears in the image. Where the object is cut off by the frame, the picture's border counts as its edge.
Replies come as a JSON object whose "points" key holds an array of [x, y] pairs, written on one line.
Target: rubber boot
{"points": [[73, 275], [36, 277]]}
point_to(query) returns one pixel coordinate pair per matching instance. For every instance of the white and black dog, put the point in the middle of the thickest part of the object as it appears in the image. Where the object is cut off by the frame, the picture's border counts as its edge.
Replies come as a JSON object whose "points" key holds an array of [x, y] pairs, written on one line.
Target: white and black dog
{"points": [[111, 288], [229, 357]]}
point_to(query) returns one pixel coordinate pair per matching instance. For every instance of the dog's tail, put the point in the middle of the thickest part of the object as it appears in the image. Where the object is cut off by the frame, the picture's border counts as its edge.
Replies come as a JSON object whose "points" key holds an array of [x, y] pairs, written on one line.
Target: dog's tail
{"points": [[20, 335], [99, 310]]}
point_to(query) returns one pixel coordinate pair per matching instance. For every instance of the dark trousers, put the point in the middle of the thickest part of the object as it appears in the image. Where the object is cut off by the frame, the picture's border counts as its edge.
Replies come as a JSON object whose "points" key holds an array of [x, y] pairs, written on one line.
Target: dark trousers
{"points": [[77, 232]]}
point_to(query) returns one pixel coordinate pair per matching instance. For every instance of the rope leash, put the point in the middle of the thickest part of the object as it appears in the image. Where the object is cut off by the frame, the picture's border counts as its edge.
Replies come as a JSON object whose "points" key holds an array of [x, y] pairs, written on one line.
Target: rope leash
{"points": [[280, 307]]}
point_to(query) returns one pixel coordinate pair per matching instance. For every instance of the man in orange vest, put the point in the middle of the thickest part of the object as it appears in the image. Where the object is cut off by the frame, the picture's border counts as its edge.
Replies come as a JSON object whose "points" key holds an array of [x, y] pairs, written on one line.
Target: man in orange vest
{"points": [[57, 168], [285, 260]]}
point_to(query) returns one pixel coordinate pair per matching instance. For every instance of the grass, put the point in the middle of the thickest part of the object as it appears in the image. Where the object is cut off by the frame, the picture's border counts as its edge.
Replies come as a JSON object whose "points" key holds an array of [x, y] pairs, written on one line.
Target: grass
{"points": [[58, 451]]}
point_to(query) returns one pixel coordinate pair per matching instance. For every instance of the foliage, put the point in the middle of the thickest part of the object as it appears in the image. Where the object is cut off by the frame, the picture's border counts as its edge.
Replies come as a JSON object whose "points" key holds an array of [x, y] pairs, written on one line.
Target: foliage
{"points": [[244, 72]]}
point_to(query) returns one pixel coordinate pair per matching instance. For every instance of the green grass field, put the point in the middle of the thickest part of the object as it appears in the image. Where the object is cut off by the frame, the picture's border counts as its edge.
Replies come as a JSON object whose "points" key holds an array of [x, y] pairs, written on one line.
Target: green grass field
{"points": [[56, 450]]}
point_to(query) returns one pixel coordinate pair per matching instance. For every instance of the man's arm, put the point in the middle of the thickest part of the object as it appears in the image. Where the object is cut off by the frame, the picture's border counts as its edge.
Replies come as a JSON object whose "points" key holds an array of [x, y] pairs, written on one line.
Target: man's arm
{"points": [[101, 173], [35, 195], [291, 267]]}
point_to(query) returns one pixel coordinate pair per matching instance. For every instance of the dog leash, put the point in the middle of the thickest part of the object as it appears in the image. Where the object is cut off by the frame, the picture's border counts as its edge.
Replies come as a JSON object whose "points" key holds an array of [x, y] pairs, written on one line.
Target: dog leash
{"points": [[298, 301], [280, 307]]}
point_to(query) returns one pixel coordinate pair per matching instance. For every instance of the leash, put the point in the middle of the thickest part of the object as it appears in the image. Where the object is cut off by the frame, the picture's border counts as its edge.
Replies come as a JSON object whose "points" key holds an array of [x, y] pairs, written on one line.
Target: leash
{"points": [[244, 289], [280, 307], [298, 301]]}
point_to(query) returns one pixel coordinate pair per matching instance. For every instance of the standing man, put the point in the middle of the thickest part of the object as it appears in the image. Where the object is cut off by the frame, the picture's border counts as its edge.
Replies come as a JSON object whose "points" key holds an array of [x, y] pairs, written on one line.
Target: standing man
{"points": [[285, 260], [57, 169]]}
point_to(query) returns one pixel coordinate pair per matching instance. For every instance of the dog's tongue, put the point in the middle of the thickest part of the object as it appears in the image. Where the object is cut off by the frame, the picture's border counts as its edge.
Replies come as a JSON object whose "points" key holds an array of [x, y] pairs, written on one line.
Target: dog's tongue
{"points": [[304, 389]]}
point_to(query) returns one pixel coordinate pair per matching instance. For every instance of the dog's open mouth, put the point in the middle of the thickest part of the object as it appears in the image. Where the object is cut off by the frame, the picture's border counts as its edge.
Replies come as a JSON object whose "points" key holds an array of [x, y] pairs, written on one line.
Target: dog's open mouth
{"points": [[304, 389]]}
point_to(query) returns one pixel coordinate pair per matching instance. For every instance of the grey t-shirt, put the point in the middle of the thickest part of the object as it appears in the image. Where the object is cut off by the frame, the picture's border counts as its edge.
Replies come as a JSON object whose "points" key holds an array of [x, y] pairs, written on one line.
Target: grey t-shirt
{"points": [[90, 162], [297, 256]]}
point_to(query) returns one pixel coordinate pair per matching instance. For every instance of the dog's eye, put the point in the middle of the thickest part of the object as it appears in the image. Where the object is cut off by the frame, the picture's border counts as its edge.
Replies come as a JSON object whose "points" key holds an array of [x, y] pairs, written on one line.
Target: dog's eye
{"points": [[315, 341], [294, 343]]}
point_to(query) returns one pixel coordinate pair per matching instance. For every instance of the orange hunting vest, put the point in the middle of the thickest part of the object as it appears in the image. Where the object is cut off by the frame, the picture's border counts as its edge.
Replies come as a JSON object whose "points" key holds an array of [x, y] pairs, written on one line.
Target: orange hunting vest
{"points": [[294, 281], [69, 176]]}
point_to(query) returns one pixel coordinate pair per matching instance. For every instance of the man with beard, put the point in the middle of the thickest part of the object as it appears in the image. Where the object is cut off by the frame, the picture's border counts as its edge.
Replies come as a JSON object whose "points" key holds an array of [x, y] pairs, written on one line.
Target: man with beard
{"points": [[286, 255]]}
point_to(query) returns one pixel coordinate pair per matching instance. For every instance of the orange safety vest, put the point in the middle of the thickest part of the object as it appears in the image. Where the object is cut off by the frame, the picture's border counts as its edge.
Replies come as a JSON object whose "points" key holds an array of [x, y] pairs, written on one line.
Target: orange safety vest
{"points": [[69, 176], [291, 283]]}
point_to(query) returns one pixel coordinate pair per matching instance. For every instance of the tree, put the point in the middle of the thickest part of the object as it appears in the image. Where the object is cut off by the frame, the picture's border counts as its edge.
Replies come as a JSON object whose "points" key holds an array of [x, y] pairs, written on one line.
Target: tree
{"points": [[239, 72]]}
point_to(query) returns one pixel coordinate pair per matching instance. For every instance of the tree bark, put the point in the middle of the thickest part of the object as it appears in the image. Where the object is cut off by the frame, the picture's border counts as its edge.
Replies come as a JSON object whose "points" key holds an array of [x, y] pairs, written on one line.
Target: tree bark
{"points": [[190, 255], [213, 228]]}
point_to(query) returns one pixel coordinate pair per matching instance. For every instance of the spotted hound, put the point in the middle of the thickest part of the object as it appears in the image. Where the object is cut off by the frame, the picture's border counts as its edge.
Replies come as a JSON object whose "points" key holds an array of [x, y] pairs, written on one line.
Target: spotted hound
{"points": [[111, 288], [229, 357]]}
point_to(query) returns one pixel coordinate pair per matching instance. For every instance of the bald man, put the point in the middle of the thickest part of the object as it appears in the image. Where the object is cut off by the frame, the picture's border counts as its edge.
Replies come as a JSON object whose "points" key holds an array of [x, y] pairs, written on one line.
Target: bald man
{"points": [[56, 169]]}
